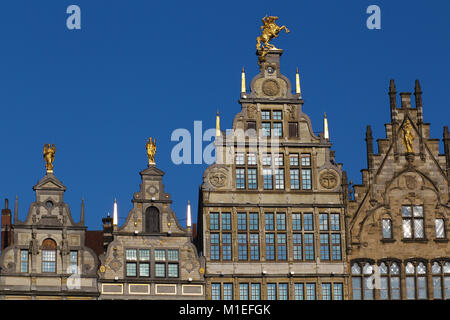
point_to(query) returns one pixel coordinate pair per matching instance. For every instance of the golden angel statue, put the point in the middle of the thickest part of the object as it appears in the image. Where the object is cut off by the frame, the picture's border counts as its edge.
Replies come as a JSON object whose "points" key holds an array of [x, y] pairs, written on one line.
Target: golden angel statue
{"points": [[270, 30], [151, 150], [49, 157], [408, 137]]}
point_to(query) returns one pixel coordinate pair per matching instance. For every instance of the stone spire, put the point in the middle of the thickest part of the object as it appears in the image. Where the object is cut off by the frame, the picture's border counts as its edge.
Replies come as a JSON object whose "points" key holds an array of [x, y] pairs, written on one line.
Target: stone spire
{"points": [[243, 87], [189, 218], [82, 212], [115, 214], [16, 210], [217, 124], [298, 90]]}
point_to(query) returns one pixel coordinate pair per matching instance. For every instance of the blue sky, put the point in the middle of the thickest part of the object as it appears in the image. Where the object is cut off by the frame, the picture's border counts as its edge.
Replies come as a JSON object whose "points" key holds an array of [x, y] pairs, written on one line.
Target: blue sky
{"points": [[145, 68]]}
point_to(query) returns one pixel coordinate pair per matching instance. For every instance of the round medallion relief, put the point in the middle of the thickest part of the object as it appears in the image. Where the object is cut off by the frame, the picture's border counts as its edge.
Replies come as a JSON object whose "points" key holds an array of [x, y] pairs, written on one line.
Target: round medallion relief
{"points": [[328, 179], [270, 87]]}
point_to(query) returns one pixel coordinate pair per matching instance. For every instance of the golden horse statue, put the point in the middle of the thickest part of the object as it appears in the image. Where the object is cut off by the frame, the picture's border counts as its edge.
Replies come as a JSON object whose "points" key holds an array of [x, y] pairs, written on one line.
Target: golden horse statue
{"points": [[49, 157], [151, 150], [270, 30]]}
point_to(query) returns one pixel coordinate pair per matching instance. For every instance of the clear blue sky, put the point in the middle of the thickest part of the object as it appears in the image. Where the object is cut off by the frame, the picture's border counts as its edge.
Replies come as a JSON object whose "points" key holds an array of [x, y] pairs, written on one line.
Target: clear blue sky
{"points": [[144, 68]]}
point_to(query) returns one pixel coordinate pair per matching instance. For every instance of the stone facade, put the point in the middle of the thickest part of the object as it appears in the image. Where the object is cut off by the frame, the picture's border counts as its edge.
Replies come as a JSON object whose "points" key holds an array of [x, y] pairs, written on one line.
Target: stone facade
{"points": [[398, 218], [47, 258], [271, 211], [151, 256]]}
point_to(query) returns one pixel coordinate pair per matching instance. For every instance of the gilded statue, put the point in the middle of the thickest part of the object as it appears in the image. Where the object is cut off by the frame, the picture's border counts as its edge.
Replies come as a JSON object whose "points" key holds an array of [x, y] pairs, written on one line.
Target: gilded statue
{"points": [[270, 30], [151, 150], [408, 137], [49, 157]]}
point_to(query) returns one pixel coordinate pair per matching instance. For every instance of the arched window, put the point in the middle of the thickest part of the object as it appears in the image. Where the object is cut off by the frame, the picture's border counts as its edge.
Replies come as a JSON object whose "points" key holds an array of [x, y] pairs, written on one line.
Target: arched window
{"points": [[362, 281], [152, 220], [441, 279], [416, 280], [387, 228], [49, 256], [389, 280]]}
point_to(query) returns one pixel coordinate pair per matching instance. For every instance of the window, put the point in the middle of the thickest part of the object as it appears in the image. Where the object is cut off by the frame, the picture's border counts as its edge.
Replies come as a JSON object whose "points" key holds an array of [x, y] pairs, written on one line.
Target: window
{"points": [[310, 291], [296, 221], [226, 246], [326, 291], [243, 291], [48, 256], [226, 221], [277, 115], [270, 246], [336, 246], [251, 128], [282, 291], [24, 261], [337, 291], [277, 129], [297, 245], [441, 280], [309, 246], [267, 178], [269, 221], [252, 179], [389, 280], [138, 261], [215, 246], [215, 291], [214, 221], [74, 262], [440, 230], [279, 179], [323, 222], [254, 246], [242, 241], [387, 228], [306, 160], [165, 263], [360, 281], [240, 178], [413, 222], [308, 221], [271, 291], [281, 246], [324, 247], [278, 160], [240, 159], [335, 223], [254, 221], [293, 160], [265, 126], [295, 179], [173, 270], [416, 277], [306, 179], [242, 221], [251, 159], [265, 114], [293, 130], [256, 291], [267, 159], [160, 270], [227, 291], [281, 221], [298, 291]]}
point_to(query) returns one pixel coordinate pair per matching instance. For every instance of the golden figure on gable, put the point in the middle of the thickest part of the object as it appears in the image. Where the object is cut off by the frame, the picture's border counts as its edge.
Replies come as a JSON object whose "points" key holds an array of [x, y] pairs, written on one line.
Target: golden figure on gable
{"points": [[49, 157], [151, 150], [408, 137]]}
